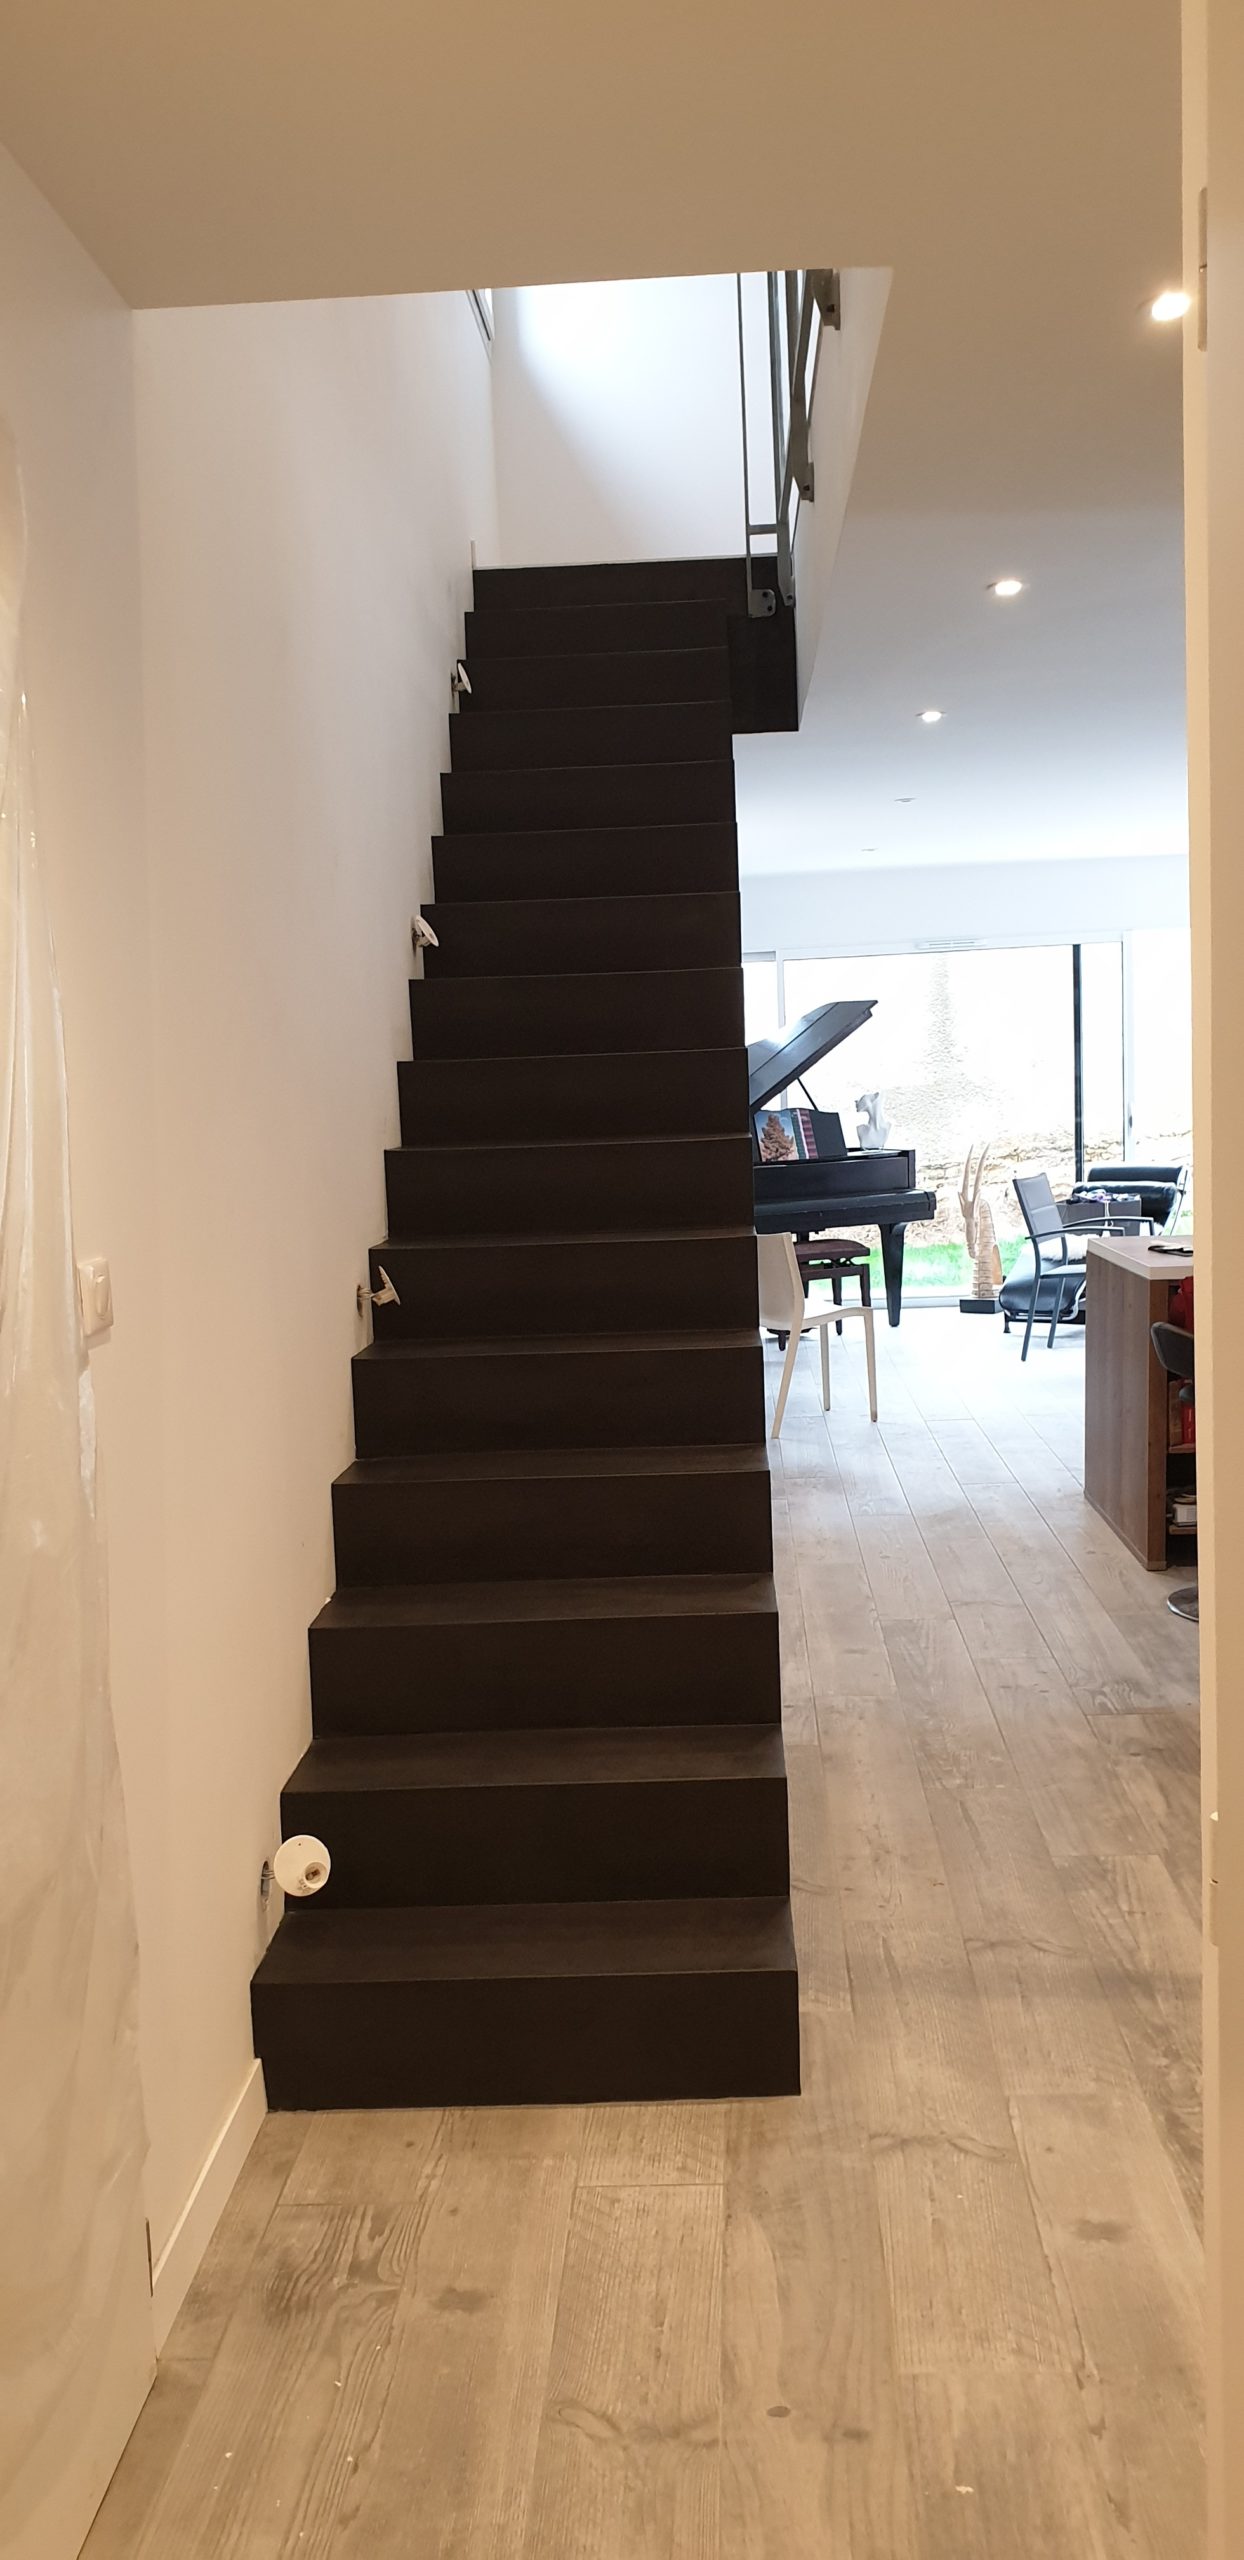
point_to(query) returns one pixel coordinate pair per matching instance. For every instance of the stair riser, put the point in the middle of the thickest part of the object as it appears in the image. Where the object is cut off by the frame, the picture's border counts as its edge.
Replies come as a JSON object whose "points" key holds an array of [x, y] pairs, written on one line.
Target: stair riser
{"points": [[590, 630], [550, 1016], [584, 933], [649, 1094], [578, 2041], [646, 1842], [590, 734], [587, 795], [587, 862], [454, 1292], [526, 1674], [720, 582], [551, 1526], [607, 677], [436, 1191], [587, 1400]]}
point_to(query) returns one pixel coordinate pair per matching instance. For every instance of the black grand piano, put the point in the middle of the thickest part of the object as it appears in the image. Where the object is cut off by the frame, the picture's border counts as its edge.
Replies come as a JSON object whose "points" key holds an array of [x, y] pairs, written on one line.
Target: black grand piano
{"points": [[837, 1186]]}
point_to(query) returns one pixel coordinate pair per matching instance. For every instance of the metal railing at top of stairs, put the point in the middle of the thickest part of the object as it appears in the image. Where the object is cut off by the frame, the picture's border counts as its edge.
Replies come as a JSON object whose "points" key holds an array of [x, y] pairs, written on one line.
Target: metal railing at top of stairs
{"points": [[798, 307]]}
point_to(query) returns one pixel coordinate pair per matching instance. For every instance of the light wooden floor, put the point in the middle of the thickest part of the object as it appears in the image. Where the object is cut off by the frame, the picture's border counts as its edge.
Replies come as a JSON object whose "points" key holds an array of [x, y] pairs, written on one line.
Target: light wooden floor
{"points": [[943, 2307]]}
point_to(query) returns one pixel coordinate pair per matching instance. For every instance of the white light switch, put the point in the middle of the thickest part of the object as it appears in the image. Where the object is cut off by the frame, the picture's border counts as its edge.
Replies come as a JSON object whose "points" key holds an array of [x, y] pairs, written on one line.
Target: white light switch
{"points": [[95, 1297]]}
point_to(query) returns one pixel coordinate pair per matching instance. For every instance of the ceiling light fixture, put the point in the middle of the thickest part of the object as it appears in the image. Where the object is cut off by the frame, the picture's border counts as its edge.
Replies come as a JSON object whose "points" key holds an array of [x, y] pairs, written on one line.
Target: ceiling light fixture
{"points": [[1006, 587], [1170, 305], [930, 718]]}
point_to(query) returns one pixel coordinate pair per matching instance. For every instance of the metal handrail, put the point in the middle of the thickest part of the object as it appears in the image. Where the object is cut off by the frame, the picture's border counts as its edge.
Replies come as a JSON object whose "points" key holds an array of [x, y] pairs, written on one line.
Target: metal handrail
{"points": [[798, 303]]}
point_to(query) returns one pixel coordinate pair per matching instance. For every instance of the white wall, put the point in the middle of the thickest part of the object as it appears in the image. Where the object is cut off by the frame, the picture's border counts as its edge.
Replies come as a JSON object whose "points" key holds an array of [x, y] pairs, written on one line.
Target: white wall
{"points": [[892, 909], [846, 359], [234, 955], [312, 478], [66, 386], [618, 421]]}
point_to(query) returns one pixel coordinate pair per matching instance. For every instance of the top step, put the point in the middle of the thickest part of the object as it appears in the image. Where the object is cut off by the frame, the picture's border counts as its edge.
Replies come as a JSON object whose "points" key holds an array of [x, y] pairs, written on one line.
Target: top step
{"points": [[648, 605], [717, 582]]}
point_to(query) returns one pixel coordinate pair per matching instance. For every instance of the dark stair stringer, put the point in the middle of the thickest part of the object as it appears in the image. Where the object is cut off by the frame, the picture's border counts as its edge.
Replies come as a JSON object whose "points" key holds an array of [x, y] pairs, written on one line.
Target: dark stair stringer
{"points": [[546, 1752]]}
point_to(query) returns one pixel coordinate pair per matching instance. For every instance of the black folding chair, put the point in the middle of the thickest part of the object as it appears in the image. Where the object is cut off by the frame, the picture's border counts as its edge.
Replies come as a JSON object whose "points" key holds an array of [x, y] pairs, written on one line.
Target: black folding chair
{"points": [[1056, 1276]]}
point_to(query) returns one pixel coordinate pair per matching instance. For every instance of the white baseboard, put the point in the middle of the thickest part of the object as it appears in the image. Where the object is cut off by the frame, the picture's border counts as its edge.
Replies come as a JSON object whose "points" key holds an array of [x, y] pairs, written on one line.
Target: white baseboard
{"points": [[179, 2259]]}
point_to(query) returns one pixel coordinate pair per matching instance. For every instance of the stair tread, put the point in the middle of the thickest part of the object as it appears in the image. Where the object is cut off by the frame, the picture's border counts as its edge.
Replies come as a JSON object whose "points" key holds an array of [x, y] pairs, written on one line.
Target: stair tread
{"points": [[703, 1595], [487, 1466], [560, 1146], [531, 1940], [593, 979], [576, 909], [565, 1755], [553, 1345], [577, 710], [568, 1237]]}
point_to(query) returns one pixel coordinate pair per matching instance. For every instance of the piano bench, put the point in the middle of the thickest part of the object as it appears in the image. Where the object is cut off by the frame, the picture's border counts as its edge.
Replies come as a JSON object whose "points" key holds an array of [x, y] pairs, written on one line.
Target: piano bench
{"points": [[835, 1258]]}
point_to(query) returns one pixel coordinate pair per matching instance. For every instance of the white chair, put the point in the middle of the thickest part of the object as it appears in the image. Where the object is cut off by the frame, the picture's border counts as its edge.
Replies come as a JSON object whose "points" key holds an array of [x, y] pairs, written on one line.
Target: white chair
{"points": [[784, 1309]]}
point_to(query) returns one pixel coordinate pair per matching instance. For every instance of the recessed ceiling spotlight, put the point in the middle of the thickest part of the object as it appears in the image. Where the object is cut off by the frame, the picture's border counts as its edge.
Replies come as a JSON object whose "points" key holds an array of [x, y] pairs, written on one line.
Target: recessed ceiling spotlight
{"points": [[1170, 305], [1007, 587], [904, 799], [930, 718]]}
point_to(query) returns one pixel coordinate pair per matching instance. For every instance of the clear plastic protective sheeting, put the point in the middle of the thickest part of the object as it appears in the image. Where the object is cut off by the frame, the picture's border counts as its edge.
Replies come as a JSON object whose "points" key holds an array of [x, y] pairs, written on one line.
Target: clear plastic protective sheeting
{"points": [[71, 2126]]}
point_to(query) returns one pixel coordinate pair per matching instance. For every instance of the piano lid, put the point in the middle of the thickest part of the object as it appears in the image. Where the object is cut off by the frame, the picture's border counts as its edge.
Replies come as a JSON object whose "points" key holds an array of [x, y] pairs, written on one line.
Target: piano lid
{"points": [[774, 1064]]}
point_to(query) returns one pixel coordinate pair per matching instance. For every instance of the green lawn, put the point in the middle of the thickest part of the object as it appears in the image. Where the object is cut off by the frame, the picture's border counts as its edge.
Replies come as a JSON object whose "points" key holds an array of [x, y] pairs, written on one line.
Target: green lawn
{"points": [[940, 1268]]}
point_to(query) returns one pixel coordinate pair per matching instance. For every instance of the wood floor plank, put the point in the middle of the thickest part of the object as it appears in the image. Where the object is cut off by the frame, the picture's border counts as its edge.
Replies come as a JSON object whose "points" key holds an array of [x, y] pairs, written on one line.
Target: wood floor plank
{"points": [[149, 2456], [901, 1574], [654, 2146], [881, 1845], [813, 2454], [628, 2459], [1148, 1952], [1157, 1761], [1085, 1639], [1006, 2468], [1079, 1801], [1007, 1646], [842, 1632], [364, 2155], [798, 1715], [311, 2336], [450, 2468], [1121, 2241], [968, 2277], [268, 2175], [1150, 2450]]}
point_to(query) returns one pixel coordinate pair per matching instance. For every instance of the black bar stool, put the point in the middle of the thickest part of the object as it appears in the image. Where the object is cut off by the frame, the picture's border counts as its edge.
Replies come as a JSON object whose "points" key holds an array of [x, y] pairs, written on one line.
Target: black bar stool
{"points": [[1174, 1348]]}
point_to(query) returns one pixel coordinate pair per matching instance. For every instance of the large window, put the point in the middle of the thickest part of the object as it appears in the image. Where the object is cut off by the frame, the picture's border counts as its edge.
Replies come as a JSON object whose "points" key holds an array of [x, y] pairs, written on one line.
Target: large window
{"points": [[969, 1048], [1160, 1046]]}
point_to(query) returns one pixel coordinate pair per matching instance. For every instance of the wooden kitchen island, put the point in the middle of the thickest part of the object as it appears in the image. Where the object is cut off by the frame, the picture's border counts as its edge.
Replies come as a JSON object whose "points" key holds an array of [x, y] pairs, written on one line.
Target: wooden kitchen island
{"points": [[1134, 1461]]}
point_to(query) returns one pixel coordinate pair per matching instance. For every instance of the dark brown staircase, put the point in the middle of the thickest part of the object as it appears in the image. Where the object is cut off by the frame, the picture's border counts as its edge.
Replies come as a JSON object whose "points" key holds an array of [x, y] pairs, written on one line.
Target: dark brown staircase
{"points": [[547, 1750]]}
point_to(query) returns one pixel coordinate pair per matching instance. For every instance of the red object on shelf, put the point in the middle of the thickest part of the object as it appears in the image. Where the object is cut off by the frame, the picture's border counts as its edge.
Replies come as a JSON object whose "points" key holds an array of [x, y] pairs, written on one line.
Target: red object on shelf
{"points": [[1187, 1425], [1182, 1305]]}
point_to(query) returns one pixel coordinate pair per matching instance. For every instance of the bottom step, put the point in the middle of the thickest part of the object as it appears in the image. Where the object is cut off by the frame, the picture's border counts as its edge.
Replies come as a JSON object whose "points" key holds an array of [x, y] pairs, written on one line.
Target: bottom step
{"points": [[519, 2004]]}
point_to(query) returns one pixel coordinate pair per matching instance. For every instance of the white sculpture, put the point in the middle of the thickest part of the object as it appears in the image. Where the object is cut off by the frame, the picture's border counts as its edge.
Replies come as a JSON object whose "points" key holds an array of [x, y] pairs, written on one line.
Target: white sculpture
{"points": [[978, 1228], [874, 1128]]}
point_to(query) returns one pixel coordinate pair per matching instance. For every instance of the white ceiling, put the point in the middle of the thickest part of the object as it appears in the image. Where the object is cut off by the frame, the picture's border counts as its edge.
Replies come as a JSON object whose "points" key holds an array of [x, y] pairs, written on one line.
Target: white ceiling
{"points": [[1017, 168], [986, 452]]}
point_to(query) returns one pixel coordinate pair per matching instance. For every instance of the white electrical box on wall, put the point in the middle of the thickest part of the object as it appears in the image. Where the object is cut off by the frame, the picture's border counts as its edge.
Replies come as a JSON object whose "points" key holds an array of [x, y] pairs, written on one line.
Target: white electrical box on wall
{"points": [[95, 1297]]}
